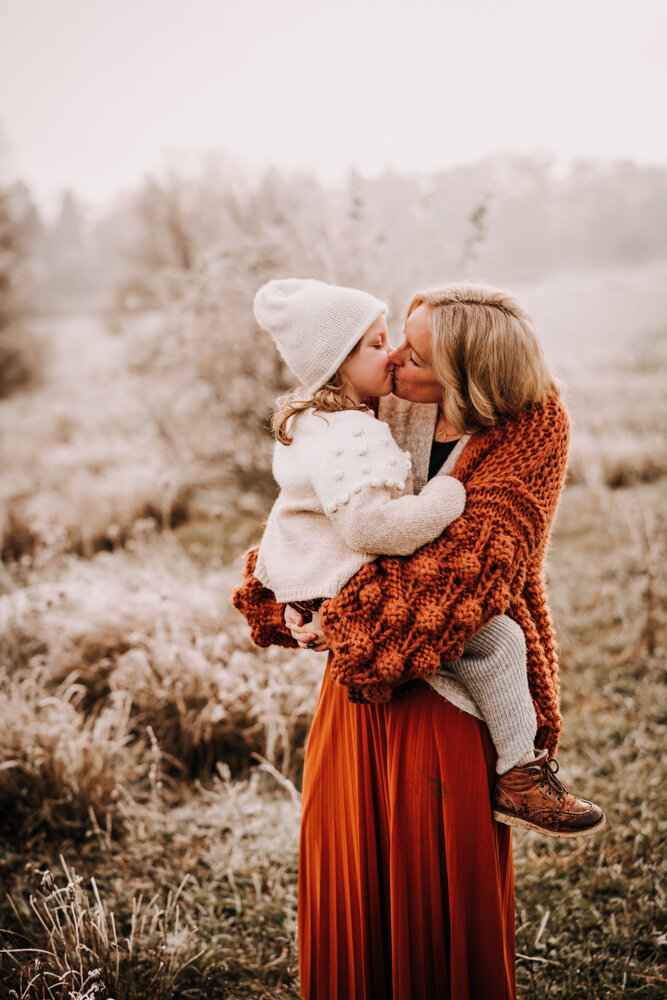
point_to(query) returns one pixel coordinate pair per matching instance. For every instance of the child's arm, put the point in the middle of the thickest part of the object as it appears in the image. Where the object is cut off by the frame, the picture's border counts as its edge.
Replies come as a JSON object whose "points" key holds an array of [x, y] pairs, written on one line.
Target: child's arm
{"points": [[376, 522], [360, 483]]}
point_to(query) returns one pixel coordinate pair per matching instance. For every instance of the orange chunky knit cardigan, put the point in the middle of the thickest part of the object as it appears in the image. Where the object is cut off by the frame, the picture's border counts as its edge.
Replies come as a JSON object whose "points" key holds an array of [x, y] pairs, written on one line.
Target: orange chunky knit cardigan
{"points": [[400, 618]]}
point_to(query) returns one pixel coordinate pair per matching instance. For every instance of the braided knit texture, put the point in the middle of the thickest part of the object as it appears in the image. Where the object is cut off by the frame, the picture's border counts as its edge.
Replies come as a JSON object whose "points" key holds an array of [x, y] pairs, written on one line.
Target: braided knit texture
{"points": [[399, 618]]}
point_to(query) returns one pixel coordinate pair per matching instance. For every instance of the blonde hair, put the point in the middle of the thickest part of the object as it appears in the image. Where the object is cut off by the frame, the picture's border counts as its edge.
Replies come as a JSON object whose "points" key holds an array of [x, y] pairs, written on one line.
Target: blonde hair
{"points": [[331, 397], [485, 353]]}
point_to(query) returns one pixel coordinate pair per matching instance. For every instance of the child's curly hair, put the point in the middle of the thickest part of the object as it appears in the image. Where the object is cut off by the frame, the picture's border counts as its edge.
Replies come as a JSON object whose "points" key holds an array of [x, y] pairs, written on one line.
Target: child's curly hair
{"points": [[329, 398]]}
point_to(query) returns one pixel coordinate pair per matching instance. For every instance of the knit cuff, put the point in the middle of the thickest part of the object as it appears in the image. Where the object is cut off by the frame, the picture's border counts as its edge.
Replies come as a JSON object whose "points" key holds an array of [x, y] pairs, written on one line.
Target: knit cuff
{"points": [[265, 615]]}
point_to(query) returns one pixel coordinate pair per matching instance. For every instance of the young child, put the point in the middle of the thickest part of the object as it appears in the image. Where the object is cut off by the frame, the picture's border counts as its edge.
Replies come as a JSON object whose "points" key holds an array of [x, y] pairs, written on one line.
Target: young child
{"points": [[346, 494]]}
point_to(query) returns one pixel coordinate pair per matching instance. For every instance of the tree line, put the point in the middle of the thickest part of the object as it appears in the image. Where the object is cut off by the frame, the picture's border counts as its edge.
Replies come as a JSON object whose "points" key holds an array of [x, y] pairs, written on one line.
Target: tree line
{"points": [[503, 218]]}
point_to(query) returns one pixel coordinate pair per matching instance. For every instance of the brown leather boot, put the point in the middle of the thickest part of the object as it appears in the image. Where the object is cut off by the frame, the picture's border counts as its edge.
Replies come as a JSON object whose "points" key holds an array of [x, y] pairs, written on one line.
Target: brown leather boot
{"points": [[530, 795]]}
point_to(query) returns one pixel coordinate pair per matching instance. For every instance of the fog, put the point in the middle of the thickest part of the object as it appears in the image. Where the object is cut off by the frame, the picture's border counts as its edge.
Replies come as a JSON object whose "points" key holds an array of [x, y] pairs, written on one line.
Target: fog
{"points": [[162, 160]]}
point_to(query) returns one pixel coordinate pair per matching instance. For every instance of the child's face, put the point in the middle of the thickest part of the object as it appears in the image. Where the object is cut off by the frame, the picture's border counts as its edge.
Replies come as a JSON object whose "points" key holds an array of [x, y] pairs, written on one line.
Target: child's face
{"points": [[368, 369]]}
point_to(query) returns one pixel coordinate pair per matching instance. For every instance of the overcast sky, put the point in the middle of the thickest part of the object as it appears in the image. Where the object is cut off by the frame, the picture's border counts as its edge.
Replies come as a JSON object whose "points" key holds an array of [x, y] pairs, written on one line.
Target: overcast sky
{"points": [[95, 93]]}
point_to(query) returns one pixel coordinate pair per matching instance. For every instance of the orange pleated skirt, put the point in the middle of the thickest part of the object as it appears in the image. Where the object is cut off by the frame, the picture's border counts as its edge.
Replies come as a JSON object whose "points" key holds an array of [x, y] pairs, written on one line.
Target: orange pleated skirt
{"points": [[406, 885]]}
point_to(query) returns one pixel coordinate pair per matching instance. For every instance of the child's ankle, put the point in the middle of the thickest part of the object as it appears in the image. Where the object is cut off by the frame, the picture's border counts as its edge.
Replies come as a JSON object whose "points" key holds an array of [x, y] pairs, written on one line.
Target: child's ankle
{"points": [[527, 758]]}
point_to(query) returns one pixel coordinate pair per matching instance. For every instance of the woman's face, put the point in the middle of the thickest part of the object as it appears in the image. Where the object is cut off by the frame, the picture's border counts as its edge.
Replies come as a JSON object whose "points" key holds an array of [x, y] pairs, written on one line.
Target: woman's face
{"points": [[414, 379]]}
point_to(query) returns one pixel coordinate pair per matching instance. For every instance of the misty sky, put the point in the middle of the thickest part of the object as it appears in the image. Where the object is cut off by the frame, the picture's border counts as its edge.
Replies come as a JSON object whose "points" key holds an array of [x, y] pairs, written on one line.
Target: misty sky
{"points": [[95, 93]]}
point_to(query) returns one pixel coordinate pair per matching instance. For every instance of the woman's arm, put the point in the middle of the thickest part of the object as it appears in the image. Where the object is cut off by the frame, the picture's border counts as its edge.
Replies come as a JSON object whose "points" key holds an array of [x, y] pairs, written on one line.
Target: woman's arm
{"points": [[265, 615], [397, 619]]}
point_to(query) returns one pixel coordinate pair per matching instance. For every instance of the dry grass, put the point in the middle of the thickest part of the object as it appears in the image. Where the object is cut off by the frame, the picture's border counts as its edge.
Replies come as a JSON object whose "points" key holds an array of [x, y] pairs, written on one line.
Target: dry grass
{"points": [[80, 483], [619, 415], [201, 904], [86, 955], [129, 641], [591, 918], [132, 703], [58, 770], [22, 358]]}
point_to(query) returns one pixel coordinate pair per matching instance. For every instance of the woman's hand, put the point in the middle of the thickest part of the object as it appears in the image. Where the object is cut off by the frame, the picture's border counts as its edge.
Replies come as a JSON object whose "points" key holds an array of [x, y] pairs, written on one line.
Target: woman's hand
{"points": [[308, 635]]}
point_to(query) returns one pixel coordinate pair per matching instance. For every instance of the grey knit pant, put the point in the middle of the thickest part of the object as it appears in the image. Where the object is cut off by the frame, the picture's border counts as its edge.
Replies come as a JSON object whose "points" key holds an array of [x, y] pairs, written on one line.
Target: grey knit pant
{"points": [[493, 669]]}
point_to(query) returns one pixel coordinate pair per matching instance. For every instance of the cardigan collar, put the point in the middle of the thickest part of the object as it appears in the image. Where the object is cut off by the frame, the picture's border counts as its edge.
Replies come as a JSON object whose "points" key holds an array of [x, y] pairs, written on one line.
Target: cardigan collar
{"points": [[413, 426]]}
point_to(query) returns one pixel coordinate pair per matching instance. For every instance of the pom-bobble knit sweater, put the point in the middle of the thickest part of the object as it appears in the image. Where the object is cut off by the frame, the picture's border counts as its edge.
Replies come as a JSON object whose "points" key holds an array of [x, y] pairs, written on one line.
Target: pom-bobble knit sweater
{"points": [[402, 618]]}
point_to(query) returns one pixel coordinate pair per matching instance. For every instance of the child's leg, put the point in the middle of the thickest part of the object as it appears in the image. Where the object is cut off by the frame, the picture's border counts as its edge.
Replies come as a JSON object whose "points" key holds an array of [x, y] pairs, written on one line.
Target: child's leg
{"points": [[493, 669], [527, 794]]}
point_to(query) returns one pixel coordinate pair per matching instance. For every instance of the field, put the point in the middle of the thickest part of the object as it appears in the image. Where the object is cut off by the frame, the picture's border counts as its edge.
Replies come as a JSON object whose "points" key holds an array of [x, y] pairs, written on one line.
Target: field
{"points": [[151, 758]]}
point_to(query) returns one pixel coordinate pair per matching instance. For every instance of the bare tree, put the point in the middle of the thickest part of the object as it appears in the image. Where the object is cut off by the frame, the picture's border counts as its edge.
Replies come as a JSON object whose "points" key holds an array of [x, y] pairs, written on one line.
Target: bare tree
{"points": [[19, 352]]}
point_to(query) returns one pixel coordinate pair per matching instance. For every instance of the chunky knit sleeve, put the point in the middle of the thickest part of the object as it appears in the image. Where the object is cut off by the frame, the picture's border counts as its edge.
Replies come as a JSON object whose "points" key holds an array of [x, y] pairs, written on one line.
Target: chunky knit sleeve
{"points": [[258, 605], [399, 618]]}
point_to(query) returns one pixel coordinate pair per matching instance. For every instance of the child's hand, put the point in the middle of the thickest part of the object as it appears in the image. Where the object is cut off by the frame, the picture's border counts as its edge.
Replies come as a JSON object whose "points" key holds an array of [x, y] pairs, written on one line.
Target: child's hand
{"points": [[308, 636]]}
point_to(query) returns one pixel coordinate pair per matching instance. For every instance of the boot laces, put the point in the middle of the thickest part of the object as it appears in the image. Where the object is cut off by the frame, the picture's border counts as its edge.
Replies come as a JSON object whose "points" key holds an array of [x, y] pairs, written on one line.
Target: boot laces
{"points": [[550, 781]]}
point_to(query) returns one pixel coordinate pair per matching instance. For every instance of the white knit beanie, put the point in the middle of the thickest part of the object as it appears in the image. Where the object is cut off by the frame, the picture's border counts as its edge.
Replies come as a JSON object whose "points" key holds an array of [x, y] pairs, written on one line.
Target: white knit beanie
{"points": [[314, 325]]}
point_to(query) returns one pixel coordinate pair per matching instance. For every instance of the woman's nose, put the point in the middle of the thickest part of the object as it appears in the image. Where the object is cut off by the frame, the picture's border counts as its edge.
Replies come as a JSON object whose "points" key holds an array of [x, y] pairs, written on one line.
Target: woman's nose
{"points": [[397, 356]]}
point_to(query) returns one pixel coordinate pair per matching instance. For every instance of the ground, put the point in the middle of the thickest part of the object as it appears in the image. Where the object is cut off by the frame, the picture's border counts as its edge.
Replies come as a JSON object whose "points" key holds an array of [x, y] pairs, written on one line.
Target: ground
{"points": [[151, 757]]}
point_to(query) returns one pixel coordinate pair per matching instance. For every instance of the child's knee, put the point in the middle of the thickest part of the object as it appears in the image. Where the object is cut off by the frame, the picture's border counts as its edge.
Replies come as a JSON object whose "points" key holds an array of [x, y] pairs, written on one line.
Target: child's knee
{"points": [[512, 638], [502, 638]]}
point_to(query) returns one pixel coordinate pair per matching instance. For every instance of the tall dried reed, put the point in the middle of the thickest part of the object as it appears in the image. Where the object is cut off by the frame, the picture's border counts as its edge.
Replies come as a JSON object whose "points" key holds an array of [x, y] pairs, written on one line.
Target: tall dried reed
{"points": [[84, 953], [58, 770], [128, 641]]}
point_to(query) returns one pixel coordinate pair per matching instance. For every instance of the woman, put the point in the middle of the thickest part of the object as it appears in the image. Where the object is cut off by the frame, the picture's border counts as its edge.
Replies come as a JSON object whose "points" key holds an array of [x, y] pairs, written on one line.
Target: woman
{"points": [[405, 882]]}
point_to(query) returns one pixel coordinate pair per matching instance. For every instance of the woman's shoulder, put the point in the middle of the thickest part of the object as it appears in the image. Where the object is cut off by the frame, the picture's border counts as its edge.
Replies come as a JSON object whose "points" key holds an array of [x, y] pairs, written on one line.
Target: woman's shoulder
{"points": [[547, 420], [557, 412], [535, 422], [536, 441]]}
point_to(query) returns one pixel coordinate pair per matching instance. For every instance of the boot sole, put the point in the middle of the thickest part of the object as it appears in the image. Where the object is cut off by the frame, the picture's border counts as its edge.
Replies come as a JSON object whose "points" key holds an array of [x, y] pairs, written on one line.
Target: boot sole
{"points": [[508, 820]]}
